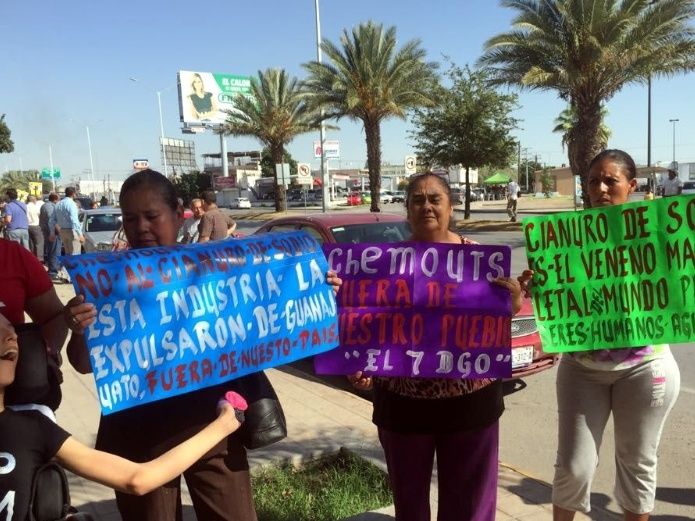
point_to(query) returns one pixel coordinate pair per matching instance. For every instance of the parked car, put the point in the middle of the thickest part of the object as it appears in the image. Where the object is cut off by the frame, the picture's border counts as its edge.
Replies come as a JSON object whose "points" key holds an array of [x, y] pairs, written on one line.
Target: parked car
{"points": [[366, 197], [98, 226], [527, 353], [398, 197], [240, 202], [354, 199], [689, 187], [385, 197]]}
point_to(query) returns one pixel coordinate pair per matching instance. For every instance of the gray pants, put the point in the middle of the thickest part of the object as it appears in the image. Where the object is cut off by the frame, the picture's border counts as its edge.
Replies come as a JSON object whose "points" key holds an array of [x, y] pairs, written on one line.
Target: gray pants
{"points": [[640, 399], [36, 241]]}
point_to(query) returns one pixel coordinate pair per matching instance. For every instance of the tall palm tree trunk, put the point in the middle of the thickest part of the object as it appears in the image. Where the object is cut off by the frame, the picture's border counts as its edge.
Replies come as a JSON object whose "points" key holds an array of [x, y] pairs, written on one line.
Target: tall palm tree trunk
{"points": [[372, 131], [277, 153], [585, 142]]}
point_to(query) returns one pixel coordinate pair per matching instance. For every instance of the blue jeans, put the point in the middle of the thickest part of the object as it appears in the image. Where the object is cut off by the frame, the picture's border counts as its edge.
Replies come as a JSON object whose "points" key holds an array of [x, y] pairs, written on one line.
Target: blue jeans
{"points": [[51, 251], [20, 235]]}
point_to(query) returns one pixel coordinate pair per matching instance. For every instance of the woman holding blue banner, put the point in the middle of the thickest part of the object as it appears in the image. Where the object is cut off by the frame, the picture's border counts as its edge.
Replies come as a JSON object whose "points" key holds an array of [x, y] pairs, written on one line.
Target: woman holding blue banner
{"points": [[456, 419], [639, 386], [219, 482]]}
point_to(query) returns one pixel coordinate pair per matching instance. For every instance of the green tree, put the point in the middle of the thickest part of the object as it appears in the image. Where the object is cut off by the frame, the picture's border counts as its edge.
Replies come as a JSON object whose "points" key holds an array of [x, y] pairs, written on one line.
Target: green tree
{"points": [[368, 79], [19, 180], [6, 144], [276, 113], [470, 125], [586, 51], [268, 166], [567, 120], [191, 185]]}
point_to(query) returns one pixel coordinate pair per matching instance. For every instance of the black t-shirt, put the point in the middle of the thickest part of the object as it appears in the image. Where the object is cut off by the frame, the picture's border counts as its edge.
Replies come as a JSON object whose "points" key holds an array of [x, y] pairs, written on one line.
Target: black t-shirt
{"points": [[27, 440]]}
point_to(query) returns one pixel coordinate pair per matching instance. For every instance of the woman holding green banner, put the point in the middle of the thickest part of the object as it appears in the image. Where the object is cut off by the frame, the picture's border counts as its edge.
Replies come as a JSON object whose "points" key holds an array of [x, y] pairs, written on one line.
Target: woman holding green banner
{"points": [[456, 419], [639, 386], [219, 482]]}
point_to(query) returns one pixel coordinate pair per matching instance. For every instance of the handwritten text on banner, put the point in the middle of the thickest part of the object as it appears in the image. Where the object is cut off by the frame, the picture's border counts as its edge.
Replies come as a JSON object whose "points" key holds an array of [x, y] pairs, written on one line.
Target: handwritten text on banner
{"points": [[612, 277], [421, 309], [176, 319]]}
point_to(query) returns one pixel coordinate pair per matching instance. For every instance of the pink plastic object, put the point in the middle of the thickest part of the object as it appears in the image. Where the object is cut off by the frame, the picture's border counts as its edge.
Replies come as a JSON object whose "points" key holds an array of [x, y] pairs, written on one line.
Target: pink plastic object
{"points": [[236, 400]]}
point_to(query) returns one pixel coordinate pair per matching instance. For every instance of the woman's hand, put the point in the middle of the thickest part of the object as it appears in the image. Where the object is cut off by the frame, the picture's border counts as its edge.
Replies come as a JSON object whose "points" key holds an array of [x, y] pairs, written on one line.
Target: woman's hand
{"points": [[335, 281], [230, 411], [79, 315], [525, 282], [360, 382]]}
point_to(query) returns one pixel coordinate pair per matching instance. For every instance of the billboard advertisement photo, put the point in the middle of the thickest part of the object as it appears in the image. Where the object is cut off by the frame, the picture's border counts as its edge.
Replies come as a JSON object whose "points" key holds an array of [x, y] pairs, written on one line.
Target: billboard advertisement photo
{"points": [[204, 96]]}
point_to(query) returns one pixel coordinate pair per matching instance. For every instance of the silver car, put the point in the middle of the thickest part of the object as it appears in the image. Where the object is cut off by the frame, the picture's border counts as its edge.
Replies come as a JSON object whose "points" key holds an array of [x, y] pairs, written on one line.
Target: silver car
{"points": [[99, 226]]}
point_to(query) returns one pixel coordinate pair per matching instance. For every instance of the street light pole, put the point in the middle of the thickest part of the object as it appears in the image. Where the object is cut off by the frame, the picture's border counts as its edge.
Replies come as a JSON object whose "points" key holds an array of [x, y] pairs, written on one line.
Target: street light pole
{"points": [[91, 160], [322, 131], [50, 158], [161, 132], [674, 121]]}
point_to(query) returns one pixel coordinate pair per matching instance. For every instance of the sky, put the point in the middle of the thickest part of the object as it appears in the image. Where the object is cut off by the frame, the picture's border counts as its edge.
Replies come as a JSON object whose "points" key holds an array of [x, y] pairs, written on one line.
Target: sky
{"points": [[66, 66]]}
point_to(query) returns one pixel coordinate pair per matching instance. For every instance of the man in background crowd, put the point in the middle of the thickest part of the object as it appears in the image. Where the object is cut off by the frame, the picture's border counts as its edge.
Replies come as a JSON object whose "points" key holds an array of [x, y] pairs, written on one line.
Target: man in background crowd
{"points": [[51, 247], [512, 197], [673, 185], [214, 225], [35, 235], [66, 217], [190, 225], [16, 219]]}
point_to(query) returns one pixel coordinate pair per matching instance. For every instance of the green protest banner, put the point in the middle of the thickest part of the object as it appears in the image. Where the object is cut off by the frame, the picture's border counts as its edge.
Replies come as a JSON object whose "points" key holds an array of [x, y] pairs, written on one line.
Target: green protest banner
{"points": [[617, 276]]}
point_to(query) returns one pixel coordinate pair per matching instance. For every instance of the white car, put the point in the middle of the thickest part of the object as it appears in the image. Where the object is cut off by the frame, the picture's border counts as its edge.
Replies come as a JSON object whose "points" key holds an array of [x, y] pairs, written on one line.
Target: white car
{"points": [[385, 196], [98, 226], [241, 202], [688, 187]]}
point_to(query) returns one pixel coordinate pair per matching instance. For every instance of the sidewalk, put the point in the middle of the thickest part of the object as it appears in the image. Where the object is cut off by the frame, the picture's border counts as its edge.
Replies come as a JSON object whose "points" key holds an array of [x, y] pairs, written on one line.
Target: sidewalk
{"points": [[320, 420]]}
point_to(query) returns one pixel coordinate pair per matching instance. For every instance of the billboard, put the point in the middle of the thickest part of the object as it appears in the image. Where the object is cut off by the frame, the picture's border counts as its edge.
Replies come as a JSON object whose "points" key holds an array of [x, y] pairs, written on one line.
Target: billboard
{"points": [[180, 155], [331, 149], [204, 96]]}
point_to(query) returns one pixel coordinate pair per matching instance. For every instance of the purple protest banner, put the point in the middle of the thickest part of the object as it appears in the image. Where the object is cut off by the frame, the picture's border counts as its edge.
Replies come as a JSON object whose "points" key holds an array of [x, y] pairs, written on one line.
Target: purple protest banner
{"points": [[421, 309]]}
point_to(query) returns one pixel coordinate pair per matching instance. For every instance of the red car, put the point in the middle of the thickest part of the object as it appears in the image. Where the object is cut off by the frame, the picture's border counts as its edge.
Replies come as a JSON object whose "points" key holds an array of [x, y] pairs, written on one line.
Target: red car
{"points": [[527, 353], [354, 199]]}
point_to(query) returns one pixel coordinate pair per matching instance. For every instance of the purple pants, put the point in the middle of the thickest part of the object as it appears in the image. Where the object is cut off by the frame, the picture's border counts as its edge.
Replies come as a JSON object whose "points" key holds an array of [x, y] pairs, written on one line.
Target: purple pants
{"points": [[467, 466]]}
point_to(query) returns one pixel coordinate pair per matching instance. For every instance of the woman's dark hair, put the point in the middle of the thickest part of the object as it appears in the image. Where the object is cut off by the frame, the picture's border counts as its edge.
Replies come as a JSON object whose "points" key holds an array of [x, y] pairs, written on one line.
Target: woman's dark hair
{"points": [[11, 193], [154, 180], [618, 156], [415, 179]]}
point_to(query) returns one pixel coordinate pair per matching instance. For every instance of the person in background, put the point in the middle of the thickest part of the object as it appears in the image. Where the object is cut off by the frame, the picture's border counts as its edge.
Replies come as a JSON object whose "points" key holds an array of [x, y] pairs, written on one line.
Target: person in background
{"points": [[29, 439], [26, 288], [103, 202], [66, 218], [219, 482], [35, 235], [512, 199], [214, 225], [190, 225], [456, 419], [93, 205], [16, 219], [51, 247], [672, 185], [638, 386]]}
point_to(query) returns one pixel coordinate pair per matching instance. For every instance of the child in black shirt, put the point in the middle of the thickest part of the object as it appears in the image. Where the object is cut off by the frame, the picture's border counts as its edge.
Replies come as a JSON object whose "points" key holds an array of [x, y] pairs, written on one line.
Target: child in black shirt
{"points": [[28, 439]]}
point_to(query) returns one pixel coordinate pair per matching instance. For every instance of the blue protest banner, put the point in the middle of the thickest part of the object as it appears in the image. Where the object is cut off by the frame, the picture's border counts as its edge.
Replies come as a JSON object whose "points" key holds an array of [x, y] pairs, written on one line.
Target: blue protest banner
{"points": [[172, 320]]}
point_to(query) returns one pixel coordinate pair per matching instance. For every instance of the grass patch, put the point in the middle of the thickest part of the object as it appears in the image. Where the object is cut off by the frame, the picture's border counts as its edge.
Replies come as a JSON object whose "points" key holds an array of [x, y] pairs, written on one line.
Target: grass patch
{"points": [[328, 489]]}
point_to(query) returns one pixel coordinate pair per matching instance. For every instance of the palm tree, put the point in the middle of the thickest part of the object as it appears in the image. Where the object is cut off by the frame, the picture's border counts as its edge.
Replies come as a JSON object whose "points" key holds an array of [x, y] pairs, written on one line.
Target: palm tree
{"points": [[275, 114], [6, 144], [567, 120], [18, 180], [586, 51], [368, 79]]}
